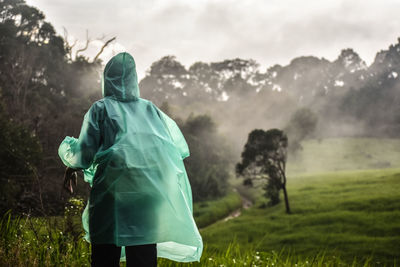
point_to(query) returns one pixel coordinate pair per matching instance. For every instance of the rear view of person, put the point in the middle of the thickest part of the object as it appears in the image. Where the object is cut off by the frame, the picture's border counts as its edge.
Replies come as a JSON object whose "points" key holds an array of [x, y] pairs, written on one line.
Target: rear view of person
{"points": [[131, 153]]}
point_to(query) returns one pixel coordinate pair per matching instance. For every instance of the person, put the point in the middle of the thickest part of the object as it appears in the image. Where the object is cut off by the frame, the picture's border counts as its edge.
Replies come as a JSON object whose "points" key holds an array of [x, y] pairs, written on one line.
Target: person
{"points": [[131, 153]]}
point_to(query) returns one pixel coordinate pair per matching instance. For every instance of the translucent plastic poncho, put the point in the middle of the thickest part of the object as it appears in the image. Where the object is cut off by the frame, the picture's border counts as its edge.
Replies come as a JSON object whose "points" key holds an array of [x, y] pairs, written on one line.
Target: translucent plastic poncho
{"points": [[132, 156]]}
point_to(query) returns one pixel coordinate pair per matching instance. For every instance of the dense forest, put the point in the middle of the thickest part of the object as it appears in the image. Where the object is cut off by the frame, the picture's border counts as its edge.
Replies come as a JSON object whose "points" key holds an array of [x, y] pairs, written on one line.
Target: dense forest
{"points": [[348, 97], [46, 86]]}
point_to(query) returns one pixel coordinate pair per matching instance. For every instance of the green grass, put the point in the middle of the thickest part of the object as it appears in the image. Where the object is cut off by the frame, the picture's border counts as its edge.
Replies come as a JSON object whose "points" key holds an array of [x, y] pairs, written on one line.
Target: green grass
{"points": [[233, 255], [28, 241], [342, 215], [208, 212], [337, 154], [19, 246], [339, 219], [57, 241], [353, 214]]}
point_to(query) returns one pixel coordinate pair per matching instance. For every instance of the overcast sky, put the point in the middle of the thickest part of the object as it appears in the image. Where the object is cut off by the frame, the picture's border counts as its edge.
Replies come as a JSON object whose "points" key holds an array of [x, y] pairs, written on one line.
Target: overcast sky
{"points": [[269, 31]]}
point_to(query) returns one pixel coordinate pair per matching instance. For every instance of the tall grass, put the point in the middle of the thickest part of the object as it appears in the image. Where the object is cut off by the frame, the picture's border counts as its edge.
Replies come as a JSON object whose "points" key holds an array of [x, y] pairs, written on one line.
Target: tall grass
{"points": [[28, 242], [235, 256]]}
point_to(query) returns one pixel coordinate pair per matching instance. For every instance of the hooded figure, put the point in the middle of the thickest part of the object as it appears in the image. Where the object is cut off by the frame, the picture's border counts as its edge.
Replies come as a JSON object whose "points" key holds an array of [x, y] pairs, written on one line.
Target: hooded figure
{"points": [[132, 155]]}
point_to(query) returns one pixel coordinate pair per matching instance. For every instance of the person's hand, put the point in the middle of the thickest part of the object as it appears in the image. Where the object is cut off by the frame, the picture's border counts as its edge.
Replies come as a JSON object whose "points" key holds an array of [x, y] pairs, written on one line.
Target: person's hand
{"points": [[70, 178]]}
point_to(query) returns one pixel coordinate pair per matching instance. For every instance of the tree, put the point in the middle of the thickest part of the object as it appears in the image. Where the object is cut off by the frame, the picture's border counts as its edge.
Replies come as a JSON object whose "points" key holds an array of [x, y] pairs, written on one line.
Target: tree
{"points": [[209, 160], [264, 158], [20, 155], [43, 96], [166, 80]]}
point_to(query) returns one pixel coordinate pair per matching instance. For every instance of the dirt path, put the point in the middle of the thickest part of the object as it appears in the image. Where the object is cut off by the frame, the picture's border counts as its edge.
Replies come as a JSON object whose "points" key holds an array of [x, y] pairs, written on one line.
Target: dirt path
{"points": [[246, 203]]}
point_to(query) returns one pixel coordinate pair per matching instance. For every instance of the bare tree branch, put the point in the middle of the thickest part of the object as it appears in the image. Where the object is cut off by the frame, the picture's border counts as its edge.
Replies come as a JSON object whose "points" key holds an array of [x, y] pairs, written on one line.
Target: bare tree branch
{"points": [[103, 47], [86, 45]]}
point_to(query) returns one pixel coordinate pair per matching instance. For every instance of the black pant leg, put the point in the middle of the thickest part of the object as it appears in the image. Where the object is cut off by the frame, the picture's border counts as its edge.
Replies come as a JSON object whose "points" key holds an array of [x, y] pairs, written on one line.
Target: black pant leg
{"points": [[105, 255], [141, 256]]}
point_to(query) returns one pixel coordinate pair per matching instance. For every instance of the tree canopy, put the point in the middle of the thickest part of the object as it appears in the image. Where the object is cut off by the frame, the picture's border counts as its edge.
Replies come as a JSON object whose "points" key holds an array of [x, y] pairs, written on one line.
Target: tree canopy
{"points": [[264, 159], [210, 158]]}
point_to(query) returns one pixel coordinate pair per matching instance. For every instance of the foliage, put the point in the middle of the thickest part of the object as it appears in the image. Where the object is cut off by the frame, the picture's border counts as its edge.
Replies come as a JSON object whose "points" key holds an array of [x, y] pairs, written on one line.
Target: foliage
{"points": [[165, 81], [47, 91], [264, 158], [210, 156], [72, 223], [20, 155], [350, 98], [168, 80], [209, 160], [45, 96], [27, 241]]}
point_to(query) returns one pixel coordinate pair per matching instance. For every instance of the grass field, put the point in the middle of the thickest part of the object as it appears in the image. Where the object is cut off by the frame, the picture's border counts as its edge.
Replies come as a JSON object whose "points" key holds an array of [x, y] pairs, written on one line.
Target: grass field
{"points": [[342, 215], [57, 241], [354, 214], [208, 212], [339, 219]]}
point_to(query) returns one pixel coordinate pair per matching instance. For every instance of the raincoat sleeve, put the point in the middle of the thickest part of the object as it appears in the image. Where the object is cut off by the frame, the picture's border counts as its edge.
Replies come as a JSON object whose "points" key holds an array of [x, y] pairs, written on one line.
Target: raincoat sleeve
{"points": [[79, 153], [176, 135]]}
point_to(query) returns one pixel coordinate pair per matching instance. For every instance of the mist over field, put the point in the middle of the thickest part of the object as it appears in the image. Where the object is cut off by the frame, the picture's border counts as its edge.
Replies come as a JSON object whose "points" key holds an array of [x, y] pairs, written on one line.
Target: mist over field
{"points": [[348, 98]]}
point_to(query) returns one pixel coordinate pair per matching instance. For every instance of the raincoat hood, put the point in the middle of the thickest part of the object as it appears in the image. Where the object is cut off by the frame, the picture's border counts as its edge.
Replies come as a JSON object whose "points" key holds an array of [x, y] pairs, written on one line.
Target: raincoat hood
{"points": [[120, 80]]}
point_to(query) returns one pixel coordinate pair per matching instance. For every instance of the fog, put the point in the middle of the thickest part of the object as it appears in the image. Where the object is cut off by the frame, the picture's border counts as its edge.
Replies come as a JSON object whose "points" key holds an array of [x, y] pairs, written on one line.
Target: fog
{"points": [[269, 31], [349, 98], [300, 53]]}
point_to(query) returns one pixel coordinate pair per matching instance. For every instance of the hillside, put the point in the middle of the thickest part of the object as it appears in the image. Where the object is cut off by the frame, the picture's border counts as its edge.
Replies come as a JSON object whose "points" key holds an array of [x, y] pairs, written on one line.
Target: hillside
{"points": [[345, 214], [338, 154]]}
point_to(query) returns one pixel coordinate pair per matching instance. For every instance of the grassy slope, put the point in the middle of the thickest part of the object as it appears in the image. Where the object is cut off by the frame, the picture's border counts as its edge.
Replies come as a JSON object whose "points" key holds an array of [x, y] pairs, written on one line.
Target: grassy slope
{"points": [[354, 213], [345, 154], [324, 219], [348, 214], [208, 212]]}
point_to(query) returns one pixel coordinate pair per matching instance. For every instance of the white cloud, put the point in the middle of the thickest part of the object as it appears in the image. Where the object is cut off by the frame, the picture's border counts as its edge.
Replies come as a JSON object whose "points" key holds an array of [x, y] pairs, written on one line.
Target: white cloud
{"points": [[273, 31]]}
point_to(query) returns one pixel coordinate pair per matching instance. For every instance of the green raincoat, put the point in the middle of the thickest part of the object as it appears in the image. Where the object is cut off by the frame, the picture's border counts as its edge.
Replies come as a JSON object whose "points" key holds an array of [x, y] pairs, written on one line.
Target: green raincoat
{"points": [[132, 156]]}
